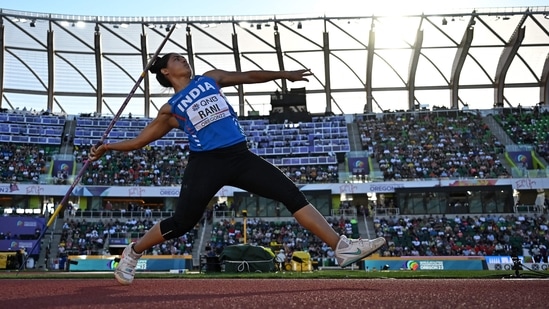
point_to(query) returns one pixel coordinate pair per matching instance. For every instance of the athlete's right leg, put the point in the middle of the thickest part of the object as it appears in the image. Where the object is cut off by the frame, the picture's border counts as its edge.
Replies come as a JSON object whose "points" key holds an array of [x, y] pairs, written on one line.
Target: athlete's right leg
{"points": [[311, 219], [261, 177]]}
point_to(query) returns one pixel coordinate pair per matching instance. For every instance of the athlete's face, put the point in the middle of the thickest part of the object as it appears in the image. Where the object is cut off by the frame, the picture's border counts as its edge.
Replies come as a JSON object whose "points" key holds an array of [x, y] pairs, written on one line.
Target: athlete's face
{"points": [[178, 65]]}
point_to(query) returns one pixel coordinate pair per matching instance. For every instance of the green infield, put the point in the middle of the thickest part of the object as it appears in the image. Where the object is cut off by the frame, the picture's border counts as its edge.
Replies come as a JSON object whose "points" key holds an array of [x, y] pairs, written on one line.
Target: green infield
{"points": [[321, 274]]}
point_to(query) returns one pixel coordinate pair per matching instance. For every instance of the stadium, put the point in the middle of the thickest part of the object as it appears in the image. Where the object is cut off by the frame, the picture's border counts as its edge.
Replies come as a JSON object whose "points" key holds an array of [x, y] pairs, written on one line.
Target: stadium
{"points": [[429, 130]]}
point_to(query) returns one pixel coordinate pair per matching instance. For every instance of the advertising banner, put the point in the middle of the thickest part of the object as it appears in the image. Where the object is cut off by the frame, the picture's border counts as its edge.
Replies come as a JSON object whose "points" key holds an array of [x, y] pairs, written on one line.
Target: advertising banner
{"points": [[146, 263], [417, 263], [12, 245], [21, 225], [63, 167], [522, 159], [336, 188], [358, 165], [119, 242], [507, 263]]}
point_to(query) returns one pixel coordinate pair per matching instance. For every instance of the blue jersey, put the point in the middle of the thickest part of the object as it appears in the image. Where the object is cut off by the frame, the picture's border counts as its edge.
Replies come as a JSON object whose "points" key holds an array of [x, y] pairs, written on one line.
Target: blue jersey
{"points": [[205, 115]]}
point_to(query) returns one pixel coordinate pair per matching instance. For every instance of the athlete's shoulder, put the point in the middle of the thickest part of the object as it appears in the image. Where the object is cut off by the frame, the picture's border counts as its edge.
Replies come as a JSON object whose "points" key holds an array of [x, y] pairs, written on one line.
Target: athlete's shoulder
{"points": [[217, 74], [198, 79]]}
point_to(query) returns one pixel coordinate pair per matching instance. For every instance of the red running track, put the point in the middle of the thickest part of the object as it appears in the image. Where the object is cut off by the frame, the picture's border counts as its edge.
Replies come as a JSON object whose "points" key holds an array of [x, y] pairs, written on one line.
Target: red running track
{"points": [[275, 293]]}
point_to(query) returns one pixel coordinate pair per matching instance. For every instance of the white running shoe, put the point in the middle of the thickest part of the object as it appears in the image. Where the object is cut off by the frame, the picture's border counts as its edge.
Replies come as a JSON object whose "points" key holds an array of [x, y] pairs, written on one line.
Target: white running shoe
{"points": [[125, 271], [349, 251]]}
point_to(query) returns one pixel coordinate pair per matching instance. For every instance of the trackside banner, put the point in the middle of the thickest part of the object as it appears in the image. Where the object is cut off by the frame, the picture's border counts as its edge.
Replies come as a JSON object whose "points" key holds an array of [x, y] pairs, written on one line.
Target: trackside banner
{"points": [[506, 263], [336, 188], [146, 263], [415, 263]]}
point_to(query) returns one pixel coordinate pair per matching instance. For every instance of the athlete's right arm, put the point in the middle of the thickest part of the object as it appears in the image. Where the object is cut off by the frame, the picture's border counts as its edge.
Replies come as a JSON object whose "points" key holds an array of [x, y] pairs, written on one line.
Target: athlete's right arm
{"points": [[228, 78], [156, 129]]}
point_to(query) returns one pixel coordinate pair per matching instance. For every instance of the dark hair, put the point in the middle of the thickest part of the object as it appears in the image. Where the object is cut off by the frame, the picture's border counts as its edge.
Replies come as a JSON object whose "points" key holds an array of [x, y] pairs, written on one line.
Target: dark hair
{"points": [[159, 64]]}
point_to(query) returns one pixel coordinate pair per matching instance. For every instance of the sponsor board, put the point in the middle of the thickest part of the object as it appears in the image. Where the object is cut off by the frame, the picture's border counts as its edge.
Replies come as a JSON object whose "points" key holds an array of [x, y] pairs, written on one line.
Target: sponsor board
{"points": [[525, 266]]}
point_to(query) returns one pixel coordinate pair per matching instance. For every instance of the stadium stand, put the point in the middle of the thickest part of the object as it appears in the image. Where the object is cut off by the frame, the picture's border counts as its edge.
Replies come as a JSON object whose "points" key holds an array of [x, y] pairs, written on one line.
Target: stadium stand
{"points": [[482, 235], [307, 152], [31, 128], [527, 126], [93, 237], [90, 129], [443, 144], [446, 144], [24, 163]]}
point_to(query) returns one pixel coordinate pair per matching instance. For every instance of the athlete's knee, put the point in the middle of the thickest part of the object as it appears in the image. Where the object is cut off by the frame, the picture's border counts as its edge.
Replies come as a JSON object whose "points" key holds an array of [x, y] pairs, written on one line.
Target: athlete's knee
{"points": [[172, 228], [295, 201]]}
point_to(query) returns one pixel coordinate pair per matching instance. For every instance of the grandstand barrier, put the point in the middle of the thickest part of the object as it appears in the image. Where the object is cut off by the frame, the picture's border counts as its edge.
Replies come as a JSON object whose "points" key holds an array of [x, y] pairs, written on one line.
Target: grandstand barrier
{"points": [[348, 212], [224, 215], [528, 209], [517, 172], [415, 263], [386, 211], [146, 263], [113, 214], [22, 211]]}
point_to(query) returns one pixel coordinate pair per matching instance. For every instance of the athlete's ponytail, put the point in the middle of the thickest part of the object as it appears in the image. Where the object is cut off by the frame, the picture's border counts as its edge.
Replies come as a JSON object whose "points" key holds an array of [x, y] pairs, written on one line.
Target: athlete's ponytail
{"points": [[157, 66]]}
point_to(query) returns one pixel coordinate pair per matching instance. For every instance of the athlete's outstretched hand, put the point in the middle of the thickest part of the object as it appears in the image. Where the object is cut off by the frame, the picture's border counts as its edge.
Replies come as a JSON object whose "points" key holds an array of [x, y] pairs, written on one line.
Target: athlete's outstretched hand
{"points": [[299, 75]]}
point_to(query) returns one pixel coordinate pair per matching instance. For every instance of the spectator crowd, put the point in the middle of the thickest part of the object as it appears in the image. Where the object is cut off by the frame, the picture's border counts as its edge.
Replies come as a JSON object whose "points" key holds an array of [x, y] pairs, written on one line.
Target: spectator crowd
{"points": [[405, 146], [432, 145], [527, 127], [83, 237], [465, 236]]}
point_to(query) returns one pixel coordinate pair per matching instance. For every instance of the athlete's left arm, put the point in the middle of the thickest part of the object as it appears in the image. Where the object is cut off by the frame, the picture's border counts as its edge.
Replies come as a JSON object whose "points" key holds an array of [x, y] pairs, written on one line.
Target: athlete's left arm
{"points": [[228, 78]]}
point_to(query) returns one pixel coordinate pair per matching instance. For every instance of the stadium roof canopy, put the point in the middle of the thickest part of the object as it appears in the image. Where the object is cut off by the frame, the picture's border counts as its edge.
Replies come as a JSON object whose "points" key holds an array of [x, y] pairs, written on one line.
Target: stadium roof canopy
{"points": [[479, 58]]}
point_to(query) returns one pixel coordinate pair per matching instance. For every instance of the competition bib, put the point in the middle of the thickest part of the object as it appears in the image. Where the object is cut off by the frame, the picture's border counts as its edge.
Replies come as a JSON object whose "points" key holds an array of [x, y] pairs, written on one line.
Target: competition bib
{"points": [[208, 110]]}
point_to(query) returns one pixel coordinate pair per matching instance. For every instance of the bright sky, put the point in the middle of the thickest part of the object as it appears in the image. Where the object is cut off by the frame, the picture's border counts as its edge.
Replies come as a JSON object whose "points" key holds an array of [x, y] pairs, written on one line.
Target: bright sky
{"points": [[251, 7], [306, 8]]}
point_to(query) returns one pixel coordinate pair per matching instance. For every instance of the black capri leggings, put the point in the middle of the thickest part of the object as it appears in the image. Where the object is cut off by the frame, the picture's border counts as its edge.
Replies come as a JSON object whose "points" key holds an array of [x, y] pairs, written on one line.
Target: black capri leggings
{"points": [[207, 172]]}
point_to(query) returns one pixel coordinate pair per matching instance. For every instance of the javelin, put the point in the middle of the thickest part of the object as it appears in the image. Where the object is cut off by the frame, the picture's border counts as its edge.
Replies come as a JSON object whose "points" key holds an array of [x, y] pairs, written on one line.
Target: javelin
{"points": [[99, 143]]}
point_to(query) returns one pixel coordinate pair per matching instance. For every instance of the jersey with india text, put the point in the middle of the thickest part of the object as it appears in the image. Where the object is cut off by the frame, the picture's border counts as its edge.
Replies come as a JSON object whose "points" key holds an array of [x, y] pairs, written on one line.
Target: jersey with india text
{"points": [[205, 115]]}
